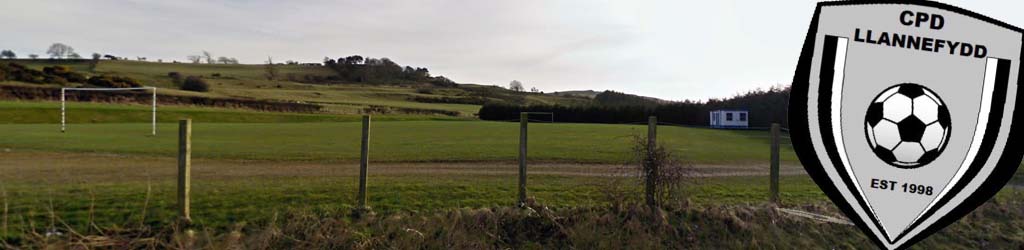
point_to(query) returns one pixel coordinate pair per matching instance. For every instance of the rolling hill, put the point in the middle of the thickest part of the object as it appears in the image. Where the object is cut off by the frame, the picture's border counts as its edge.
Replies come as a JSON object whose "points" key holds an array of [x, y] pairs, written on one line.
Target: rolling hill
{"points": [[300, 84]]}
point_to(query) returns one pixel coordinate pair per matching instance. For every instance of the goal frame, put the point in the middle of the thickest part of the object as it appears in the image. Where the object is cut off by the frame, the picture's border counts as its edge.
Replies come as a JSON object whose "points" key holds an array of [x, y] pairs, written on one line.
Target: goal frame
{"points": [[63, 103]]}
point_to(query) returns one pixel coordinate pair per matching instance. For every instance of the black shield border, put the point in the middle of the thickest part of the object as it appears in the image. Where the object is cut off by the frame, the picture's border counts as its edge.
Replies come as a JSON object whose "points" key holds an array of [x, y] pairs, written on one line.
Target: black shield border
{"points": [[1005, 167]]}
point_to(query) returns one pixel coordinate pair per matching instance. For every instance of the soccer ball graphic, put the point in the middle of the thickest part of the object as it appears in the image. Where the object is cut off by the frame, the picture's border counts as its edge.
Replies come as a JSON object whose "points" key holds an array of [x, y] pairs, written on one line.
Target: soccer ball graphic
{"points": [[907, 126]]}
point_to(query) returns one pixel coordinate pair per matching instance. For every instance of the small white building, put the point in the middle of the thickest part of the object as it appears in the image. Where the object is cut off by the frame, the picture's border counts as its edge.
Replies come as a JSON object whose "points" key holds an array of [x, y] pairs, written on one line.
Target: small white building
{"points": [[725, 118]]}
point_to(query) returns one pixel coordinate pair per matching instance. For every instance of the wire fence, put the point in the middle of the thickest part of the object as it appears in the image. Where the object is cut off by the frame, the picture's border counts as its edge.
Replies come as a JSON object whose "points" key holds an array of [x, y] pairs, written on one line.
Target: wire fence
{"points": [[247, 172]]}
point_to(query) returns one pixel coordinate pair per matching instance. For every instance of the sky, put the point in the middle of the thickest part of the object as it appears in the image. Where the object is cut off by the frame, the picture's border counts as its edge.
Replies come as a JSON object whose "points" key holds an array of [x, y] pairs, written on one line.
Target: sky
{"points": [[673, 50]]}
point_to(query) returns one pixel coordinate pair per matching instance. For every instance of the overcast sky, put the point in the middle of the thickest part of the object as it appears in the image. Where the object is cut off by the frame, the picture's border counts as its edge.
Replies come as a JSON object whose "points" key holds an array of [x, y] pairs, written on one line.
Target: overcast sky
{"points": [[668, 49]]}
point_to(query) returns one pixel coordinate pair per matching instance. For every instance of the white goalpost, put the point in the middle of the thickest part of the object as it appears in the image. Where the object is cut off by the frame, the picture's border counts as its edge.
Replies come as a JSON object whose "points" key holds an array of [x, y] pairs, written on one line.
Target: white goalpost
{"points": [[63, 121]]}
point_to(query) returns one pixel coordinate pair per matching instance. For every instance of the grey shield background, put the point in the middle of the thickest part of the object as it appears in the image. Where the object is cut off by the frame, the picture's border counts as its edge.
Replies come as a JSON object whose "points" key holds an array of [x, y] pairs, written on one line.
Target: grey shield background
{"points": [[871, 68]]}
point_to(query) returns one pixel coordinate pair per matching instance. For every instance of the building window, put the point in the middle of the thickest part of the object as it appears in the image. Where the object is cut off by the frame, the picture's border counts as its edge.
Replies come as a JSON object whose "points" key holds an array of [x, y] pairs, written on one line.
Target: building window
{"points": [[743, 117], [728, 116]]}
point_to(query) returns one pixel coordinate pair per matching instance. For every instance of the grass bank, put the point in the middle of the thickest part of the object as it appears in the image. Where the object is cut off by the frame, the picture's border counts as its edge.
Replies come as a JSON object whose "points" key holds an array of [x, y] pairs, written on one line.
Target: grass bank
{"points": [[759, 226]]}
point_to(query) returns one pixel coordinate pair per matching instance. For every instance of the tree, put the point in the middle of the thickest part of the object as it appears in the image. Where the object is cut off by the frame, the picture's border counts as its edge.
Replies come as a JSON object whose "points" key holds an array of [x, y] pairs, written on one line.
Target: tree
{"points": [[224, 60], [60, 50], [74, 55], [354, 59], [516, 86], [195, 58], [209, 57], [422, 73], [534, 90], [33, 56], [271, 69], [94, 62], [8, 54]]}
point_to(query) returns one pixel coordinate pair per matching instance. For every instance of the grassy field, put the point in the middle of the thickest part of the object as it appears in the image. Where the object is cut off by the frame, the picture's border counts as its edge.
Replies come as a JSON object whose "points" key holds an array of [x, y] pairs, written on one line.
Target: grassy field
{"points": [[111, 190], [394, 141], [296, 177], [54, 192], [241, 134]]}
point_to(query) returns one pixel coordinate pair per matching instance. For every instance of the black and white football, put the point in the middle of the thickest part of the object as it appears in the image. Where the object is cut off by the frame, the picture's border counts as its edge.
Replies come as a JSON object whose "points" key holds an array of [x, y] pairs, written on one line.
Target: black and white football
{"points": [[907, 125]]}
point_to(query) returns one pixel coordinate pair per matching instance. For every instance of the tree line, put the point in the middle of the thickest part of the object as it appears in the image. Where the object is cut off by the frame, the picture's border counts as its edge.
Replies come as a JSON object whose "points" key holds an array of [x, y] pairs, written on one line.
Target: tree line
{"points": [[361, 69], [766, 106]]}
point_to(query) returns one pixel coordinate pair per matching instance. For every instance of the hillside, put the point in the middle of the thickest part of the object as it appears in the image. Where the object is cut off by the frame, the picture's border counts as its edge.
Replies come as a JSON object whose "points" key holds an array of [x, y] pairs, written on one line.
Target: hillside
{"points": [[305, 84], [579, 93]]}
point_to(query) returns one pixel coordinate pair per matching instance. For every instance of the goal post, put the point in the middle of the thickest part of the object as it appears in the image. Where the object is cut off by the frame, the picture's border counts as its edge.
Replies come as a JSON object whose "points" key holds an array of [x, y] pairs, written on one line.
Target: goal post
{"points": [[63, 103]]}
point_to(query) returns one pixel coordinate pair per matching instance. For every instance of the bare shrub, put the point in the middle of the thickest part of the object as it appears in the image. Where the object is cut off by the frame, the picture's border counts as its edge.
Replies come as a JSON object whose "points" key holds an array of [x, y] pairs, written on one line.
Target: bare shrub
{"points": [[672, 176]]}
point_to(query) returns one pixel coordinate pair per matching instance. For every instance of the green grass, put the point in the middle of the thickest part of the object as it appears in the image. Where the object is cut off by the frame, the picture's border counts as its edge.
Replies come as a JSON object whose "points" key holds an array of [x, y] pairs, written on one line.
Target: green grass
{"points": [[394, 141], [223, 203]]}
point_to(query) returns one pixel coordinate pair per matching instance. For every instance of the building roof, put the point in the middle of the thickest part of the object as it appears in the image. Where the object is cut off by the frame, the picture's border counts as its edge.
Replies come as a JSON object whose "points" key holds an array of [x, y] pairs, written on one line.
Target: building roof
{"points": [[731, 110]]}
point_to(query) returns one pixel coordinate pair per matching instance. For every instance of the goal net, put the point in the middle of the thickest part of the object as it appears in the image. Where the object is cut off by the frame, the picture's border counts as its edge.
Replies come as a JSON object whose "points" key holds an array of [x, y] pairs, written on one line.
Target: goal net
{"points": [[63, 102]]}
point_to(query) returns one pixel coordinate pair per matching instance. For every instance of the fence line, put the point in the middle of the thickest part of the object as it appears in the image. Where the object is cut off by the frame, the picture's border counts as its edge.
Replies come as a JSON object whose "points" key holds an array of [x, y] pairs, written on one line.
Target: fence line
{"points": [[184, 164]]}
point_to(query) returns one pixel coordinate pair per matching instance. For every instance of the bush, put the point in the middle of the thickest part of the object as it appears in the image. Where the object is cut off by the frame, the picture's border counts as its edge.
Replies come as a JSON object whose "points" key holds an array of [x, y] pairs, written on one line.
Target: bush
{"points": [[176, 77], [56, 70], [18, 72], [75, 77], [195, 83], [113, 82], [61, 75]]}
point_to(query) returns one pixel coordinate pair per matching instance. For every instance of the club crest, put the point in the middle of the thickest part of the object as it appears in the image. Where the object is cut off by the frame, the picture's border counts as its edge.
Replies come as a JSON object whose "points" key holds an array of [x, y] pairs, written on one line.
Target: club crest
{"points": [[904, 113]]}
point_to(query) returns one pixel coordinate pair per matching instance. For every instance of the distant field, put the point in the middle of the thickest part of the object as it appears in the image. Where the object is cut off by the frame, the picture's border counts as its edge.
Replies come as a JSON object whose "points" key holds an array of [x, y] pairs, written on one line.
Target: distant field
{"points": [[155, 74], [394, 141], [248, 81]]}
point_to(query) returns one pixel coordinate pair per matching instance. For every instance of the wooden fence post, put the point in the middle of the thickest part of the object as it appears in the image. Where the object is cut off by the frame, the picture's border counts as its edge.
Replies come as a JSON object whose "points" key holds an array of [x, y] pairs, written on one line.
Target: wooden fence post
{"points": [[3, 191], [364, 160], [523, 121], [652, 169], [184, 169], [775, 163]]}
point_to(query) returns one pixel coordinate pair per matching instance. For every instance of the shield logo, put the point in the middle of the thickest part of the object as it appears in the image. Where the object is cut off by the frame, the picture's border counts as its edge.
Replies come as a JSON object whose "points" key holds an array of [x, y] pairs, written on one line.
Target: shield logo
{"points": [[903, 112]]}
